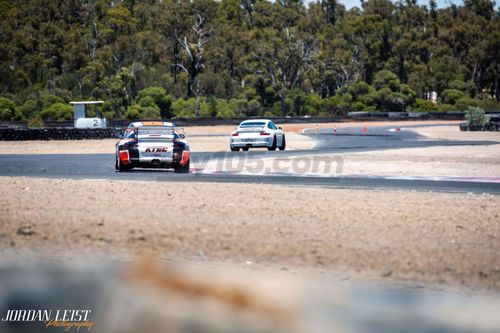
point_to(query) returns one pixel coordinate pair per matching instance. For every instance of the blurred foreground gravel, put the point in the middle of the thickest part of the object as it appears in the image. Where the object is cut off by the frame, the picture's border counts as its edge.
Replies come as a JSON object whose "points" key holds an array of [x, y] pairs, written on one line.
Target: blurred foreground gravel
{"points": [[147, 297]]}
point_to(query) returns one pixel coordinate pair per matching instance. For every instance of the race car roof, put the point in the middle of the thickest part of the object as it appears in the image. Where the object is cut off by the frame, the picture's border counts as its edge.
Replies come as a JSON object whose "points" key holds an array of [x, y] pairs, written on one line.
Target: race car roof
{"points": [[255, 120], [151, 123]]}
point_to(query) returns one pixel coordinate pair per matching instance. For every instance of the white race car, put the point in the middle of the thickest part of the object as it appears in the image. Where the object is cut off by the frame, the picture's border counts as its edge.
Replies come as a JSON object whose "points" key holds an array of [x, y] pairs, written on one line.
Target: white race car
{"points": [[257, 133]]}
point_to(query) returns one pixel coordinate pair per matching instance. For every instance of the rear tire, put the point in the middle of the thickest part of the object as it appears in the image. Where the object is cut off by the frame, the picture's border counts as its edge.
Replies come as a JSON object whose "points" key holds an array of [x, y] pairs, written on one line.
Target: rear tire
{"points": [[182, 168], [273, 147], [245, 148], [123, 168], [283, 143], [235, 149]]}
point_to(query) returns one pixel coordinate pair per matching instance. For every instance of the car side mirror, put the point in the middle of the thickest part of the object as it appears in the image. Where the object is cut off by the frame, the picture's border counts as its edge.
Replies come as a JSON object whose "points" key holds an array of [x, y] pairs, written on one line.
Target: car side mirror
{"points": [[182, 136], [279, 127]]}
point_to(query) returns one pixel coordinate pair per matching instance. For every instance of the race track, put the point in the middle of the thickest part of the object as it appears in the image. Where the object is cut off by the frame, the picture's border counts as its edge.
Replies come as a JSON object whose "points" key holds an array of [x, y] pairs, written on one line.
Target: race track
{"points": [[328, 141]]}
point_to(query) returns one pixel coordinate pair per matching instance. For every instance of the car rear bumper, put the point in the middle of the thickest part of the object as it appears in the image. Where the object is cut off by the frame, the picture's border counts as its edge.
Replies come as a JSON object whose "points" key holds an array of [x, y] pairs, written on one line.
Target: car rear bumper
{"points": [[260, 142], [152, 164], [132, 159]]}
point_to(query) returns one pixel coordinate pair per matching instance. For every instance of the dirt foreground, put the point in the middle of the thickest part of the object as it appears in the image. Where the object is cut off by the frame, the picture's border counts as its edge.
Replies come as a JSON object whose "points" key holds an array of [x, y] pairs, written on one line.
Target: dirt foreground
{"points": [[417, 238]]}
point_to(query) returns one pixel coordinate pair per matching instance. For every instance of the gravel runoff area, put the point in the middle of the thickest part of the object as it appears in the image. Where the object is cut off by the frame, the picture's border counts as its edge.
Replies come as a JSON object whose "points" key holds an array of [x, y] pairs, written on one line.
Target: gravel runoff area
{"points": [[458, 161], [413, 238]]}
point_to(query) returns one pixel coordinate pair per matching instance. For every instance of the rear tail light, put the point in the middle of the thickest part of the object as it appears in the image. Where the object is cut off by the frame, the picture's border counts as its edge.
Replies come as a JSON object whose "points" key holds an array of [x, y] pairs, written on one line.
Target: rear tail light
{"points": [[185, 157], [124, 157], [264, 133], [235, 134]]}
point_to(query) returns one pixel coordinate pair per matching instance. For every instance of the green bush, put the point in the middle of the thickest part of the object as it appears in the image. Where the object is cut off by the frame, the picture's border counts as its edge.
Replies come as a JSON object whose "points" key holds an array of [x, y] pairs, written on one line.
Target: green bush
{"points": [[57, 111], [490, 105], [295, 101], [185, 108], [147, 111], [386, 79], [338, 105], [48, 99], [150, 112], [451, 96], [422, 105], [36, 122], [8, 109], [446, 107], [388, 100], [133, 112], [253, 108], [463, 103], [369, 99], [360, 106], [225, 108], [476, 116], [146, 101], [359, 89], [157, 96], [314, 105], [466, 87], [29, 108], [408, 94]]}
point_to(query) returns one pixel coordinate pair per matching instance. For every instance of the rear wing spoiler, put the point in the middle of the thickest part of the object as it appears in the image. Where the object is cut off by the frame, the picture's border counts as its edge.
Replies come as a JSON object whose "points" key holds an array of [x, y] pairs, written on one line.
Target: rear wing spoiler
{"points": [[251, 129], [146, 133], [136, 130]]}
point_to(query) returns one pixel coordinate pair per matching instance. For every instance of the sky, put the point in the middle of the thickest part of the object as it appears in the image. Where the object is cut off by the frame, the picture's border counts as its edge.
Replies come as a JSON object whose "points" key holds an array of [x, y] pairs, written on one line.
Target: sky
{"points": [[440, 3]]}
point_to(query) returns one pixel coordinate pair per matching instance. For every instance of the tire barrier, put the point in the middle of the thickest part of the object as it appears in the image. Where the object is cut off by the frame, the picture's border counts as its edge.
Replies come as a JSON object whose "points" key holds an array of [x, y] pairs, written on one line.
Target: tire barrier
{"points": [[490, 127], [56, 133]]}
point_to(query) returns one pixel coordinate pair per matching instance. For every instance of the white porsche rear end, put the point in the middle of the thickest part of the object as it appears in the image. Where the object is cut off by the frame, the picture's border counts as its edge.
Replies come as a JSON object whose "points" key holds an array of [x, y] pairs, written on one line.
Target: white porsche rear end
{"points": [[257, 134]]}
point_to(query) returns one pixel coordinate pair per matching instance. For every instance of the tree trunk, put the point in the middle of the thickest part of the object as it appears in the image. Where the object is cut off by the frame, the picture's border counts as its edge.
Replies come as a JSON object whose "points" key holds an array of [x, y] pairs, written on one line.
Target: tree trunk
{"points": [[497, 84], [190, 92], [283, 103]]}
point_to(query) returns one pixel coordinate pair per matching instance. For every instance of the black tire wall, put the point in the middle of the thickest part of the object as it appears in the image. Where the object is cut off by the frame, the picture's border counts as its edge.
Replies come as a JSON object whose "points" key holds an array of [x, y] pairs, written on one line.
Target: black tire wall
{"points": [[23, 134]]}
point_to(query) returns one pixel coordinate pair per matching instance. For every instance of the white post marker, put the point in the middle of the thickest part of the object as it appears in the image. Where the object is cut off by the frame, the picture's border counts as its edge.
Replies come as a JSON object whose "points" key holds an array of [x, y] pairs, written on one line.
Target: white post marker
{"points": [[80, 115]]}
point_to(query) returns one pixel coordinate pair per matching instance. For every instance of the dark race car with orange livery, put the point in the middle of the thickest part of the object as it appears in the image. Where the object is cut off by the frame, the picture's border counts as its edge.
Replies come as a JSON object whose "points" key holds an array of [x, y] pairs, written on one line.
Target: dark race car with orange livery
{"points": [[152, 144]]}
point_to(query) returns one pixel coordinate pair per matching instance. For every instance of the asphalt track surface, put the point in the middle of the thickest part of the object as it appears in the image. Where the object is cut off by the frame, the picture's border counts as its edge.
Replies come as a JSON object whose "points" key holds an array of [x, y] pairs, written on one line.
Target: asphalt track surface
{"points": [[328, 141]]}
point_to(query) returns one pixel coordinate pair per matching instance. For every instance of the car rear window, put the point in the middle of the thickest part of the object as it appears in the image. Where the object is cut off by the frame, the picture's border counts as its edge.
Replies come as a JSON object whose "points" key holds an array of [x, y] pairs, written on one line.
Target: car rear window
{"points": [[252, 124]]}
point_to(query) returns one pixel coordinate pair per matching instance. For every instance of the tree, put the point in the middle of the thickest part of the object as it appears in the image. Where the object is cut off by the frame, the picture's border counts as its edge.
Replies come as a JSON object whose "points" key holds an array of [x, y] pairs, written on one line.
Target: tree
{"points": [[329, 7], [8, 110], [159, 98], [255, 56], [57, 111], [248, 6], [194, 62], [284, 60]]}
